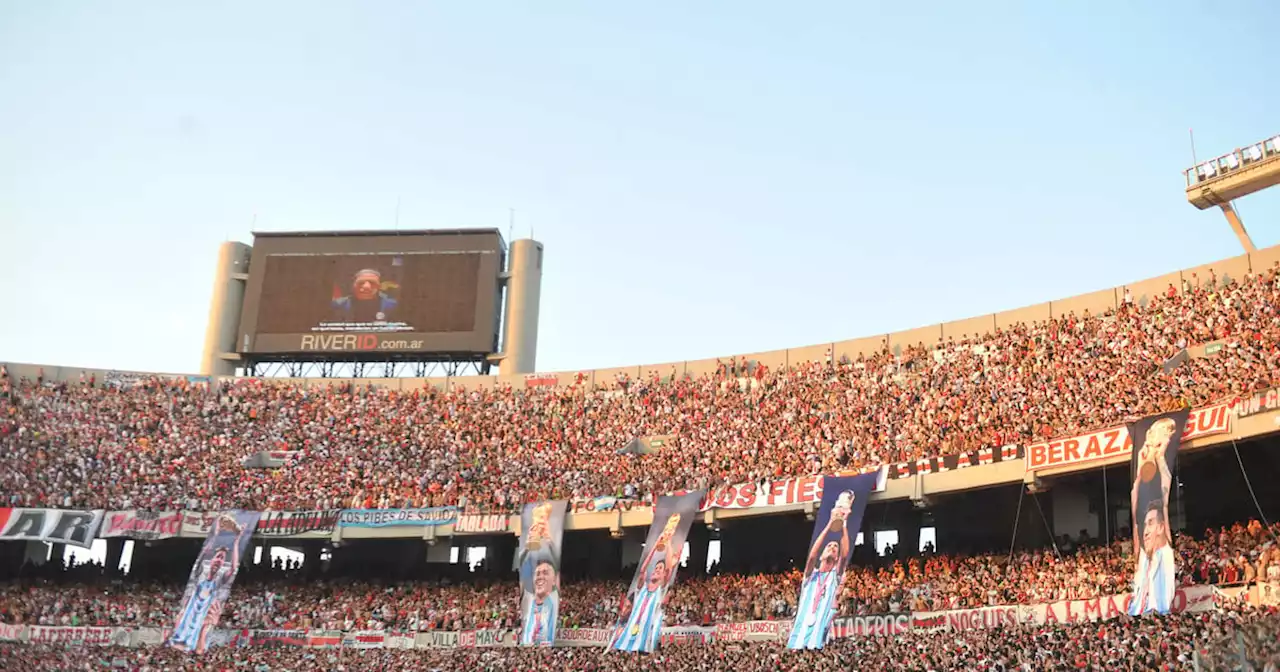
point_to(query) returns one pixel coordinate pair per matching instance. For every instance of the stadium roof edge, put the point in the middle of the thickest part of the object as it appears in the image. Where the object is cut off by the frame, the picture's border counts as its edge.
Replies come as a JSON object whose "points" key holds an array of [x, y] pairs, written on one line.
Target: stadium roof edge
{"points": [[377, 232]]}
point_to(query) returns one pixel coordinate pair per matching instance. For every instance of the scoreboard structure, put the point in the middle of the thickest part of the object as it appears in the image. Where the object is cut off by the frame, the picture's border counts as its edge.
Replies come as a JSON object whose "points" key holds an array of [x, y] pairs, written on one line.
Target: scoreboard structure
{"points": [[391, 303]]}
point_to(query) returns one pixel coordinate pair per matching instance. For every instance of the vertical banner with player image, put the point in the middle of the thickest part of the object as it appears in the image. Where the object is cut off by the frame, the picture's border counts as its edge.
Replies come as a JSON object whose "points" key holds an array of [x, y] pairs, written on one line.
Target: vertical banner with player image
{"points": [[541, 534], [1156, 441], [211, 578], [844, 499], [640, 619]]}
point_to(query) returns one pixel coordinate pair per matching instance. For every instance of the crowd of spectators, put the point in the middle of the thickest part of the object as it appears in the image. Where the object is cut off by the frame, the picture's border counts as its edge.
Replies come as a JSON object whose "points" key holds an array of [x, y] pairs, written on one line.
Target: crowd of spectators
{"points": [[1244, 644], [1231, 639], [293, 600], [173, 444]]}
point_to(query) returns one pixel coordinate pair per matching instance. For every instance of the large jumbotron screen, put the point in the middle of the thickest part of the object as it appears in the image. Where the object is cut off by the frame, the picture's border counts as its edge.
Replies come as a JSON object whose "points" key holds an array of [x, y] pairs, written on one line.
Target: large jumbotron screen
{"points": [[354, 293]]}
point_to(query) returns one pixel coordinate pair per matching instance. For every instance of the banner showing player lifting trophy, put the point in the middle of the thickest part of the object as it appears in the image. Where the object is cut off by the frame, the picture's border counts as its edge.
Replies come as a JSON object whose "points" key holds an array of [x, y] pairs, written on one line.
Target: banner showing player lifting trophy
{"points": [[844, 499], [1156, 441], [541, 534], [640, 620], [211, 577]]}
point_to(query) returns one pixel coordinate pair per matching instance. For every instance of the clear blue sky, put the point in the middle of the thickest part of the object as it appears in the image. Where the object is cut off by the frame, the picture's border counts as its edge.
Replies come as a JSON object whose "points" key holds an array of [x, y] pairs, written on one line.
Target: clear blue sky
{"points": [[708, 178]]}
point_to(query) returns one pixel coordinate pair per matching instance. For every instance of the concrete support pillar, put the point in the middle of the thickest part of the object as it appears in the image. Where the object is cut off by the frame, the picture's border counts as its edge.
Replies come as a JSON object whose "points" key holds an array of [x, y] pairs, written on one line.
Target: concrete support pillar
{"points": [[224, 309], [524, 292]]}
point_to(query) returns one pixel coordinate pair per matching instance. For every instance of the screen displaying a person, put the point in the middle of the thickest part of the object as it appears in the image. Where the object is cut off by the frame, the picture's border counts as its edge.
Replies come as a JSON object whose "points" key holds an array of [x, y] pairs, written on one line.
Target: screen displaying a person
{"points": [[366, 301], [644, 612], [822, 573], [542, 607], [1153, 582]]}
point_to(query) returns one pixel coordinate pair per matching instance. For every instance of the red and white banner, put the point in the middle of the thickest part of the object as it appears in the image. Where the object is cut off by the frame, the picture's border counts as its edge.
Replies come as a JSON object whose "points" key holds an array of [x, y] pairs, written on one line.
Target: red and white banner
{"points": [[479, 639], [197, 523], [360, 639], [776, 493], [364, 639], [541, 380], [325, 639], [82, 636], [1191, 599], [146, 525], [753, 631], [686, 634], [1115, 442], [483, 523], [12, 633], [966, 619], [583, 636], [785, 492], [877, 625]]}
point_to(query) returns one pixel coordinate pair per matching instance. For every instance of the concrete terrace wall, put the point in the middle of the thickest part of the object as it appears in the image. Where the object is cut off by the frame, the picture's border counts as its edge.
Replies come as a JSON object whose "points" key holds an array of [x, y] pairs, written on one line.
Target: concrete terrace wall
{"points": [[1143, 291]]}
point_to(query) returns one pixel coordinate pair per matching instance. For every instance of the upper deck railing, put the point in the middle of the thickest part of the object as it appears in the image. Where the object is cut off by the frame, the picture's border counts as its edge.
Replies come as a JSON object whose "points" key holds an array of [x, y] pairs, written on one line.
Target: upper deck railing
{"points": [[1225, 165]]}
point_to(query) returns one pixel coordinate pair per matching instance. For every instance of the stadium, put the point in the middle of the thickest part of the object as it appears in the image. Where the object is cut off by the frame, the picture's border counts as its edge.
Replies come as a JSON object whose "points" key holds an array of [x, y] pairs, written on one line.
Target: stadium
{"points": [[975, 476], [388, 458]]}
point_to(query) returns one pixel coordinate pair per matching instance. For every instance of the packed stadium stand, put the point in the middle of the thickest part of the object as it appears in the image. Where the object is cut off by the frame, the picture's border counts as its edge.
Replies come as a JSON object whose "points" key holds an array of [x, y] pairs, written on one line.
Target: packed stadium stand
{"points": [[979, 594]]}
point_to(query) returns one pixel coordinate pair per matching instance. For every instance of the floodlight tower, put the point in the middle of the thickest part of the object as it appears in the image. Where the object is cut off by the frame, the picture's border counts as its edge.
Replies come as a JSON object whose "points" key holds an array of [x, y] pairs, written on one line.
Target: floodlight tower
{"points": [[1242, 172]]}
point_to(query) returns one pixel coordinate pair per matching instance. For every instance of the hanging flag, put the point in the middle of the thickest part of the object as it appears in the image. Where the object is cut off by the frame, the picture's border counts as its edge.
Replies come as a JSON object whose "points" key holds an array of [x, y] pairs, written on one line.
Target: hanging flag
{"points": [[1156, 440], [541, 534], [844, 499], [211, 578], [640, 620]]}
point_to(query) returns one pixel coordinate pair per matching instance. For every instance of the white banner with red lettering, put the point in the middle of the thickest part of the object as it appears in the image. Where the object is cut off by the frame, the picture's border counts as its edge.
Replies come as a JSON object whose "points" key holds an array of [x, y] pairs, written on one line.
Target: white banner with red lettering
{"points": [[770, 493], [479, 639], [12, 633], [79, 636], [370, 639], [754, 631], [364, 639], [765, 494], [875, 625], [1191, 599], [583, 636], [1114, 442], [966, 619], [686, 634], [147, 525], [197, 523]]}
